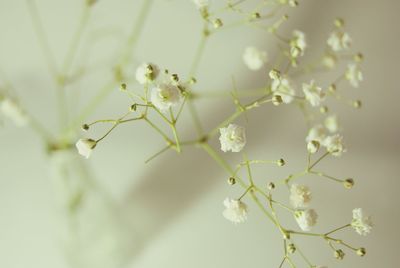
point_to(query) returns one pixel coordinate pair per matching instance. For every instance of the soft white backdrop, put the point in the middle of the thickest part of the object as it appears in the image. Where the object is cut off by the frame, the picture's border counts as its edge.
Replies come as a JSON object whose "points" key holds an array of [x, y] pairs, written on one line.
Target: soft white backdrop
{"points": [[175, 202]]}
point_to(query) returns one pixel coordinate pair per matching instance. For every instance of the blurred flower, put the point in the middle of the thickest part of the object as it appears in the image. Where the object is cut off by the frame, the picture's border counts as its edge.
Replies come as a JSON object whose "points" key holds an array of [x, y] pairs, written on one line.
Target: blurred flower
{"points": [[85, 147], [147, 72], [300, 196], [14, 112], [313, 146], [331, 123], [298, 44], [232, 138], [361, 223], [354, 74], [313, 93], [339, 41], [235, 210], [254, 58], [334, 145], [306, 219], [165, 96], [329, 61], [283, 88], [316, 133]]}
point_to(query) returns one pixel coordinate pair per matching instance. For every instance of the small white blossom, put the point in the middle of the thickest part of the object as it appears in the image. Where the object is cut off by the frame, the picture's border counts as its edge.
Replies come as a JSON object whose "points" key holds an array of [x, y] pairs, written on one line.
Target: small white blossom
{"points": [[14, 112], [283, 88], [300, 196], [298, 43], [147, 72], [313, 146], [313, 93], [233, 138], [331, 123], [361, 223], [85, 147], [354, 75], [334, 145], [165, 96], [235, 210], [316, 133], [306, 219], [254, 58], [200, 4], [339, 41]]}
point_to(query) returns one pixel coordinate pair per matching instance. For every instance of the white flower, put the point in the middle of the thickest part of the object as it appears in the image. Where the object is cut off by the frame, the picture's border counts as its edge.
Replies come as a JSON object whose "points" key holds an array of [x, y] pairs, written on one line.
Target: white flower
{"points": [[298, 43], [235, 210], [300, 196], [361, 223], [339, 41], [334, 145], [85, 147], [14, 112], [147, 72], [354, 74], [331, 123], [165, 96], [254, 58], [316, 133], [233, 138], [200, 4], [306, 219], [283, 88], [313, 93]]}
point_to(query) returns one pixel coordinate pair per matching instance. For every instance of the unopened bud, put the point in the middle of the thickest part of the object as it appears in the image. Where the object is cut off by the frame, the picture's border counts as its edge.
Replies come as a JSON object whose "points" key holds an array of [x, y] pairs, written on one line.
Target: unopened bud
{"points": [[357, 104], [339, 254], [281, 162], [361, 252], [348, 183], [85, 127], [122, 87], [291, 248], [275, 74], [231, 181], [277, 100], [339, 23], [217, 23], [271, 186]]}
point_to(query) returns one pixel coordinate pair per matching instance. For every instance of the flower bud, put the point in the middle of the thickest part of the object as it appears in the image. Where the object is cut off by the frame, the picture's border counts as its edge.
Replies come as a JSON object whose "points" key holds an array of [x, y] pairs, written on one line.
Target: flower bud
{"points": [[133, 107], [231, 181], [348, 183], [295, 51], [281, 162], [277, 100], [122, 87], [339, 22], [256, 15], [339, 254], [85, 127], [293, 3], [323, 109], [357, 104], [291, 248], [217, 23], [271, 186], [313, 146], [361, 252], [275, 74], [332, 88], [359, 57]]}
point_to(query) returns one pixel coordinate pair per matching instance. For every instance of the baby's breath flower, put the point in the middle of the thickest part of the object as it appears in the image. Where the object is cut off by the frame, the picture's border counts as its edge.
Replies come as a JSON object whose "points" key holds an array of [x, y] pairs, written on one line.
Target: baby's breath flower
{"points": [[298, 44], [14, 112], [339, 41], [313, 93], [331, 123], [165, 96], [354, 74], [200, 4], [235, 210], [233, 138], [300, 196], [361, 224], [313, 146], [85, 147], [306, 219], [316, 133], [334, 145], [284, 88], [254, 58], [147, 72]]}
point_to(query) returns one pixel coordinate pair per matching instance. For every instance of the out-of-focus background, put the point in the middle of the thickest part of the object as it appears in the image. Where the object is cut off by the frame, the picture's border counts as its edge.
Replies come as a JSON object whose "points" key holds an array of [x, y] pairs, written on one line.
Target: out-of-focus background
{"points": [[168, 212]]}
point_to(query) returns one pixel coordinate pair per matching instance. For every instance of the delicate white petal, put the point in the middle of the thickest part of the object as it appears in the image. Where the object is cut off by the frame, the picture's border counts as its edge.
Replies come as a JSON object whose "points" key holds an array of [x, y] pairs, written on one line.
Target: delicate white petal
{"points": [[254, 58], [331, 123], [354, 75], [14, 112], [283, 87], [232, 138], [361, 224], [306, 219], [298, 44], [300, 196], [313, 93], [334, 145], [339, 41], [165, 96], [316, 133], [85, 147], [235, 210]]}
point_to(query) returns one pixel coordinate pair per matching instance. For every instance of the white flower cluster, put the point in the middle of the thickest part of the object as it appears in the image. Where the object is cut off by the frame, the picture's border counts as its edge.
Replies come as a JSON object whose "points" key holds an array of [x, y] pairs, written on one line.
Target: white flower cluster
{"points": [[232, 138], [300, 197], [318, 135], [254, 58], [235, 210], [306, 219], [313, 93], [298, 44], [362, 224], [283, 87], [165, 94], [354, 75]]}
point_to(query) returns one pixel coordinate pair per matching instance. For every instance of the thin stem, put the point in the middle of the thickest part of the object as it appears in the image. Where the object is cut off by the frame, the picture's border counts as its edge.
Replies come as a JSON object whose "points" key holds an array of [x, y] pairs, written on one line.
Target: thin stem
{"points": [[318, 160]]}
